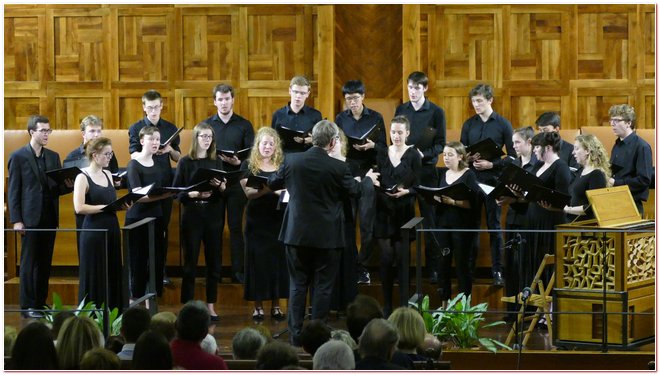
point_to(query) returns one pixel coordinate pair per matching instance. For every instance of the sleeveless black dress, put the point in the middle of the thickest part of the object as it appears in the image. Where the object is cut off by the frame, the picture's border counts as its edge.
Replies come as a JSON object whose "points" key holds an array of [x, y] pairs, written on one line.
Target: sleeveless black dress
{"points": [[92, 248]]}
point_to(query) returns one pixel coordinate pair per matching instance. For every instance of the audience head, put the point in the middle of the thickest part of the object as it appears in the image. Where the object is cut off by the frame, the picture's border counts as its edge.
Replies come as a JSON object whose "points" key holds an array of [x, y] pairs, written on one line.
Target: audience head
{"points": [[334, 355], [115, 343], [342, 335], [134, 321], [264, 331], [623, 114], [34, 349], [431, 347], [200, 131], [163, 322], [96, 147], [360, 312], [78, 335], [544, 140], [313, 335], [276, 355], [548, 122], [99, 359], [455, 150], [379, 339], [59, 320], [152, 352], [589, 151], [209, 344], [410, 326], [267, 144], [323, 133], [246, 343], [193, 321]]}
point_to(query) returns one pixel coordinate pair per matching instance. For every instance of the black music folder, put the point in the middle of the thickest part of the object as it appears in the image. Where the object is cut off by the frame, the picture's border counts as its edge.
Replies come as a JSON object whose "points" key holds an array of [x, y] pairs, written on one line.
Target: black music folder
{"points": [[487, 149], [499, 190], [176, 189], [170, 139], [257, 182], [371, 134], [241, 154], [287, 135], [513, 174], [207, 174], [541, 193], [458, 192], [388, 189], [129, 198], [62, 174]]}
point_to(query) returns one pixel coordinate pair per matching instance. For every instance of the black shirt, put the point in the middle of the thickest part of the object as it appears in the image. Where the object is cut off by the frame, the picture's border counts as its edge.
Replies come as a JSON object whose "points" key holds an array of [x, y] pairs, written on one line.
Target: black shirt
{"points": [[49, 190], [166, 129], [77, 158], [593, 180], [185, 171], [632, 165], [363, 160], [428, 116], [139, 176], [235, 135], [496, 128], [304, 121]]}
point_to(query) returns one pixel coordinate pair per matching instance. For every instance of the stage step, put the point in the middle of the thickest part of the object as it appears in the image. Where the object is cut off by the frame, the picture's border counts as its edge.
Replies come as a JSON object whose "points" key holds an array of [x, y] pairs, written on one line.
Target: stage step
{"points": [[232, 293]]}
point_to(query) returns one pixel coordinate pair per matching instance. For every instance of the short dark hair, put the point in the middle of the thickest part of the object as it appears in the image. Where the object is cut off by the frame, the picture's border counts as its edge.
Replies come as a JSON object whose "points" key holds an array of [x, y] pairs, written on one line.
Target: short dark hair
{"points": [[152, 352], [151, 95], [360, 312], [34, 120], [549, 118], [401, 119], [547, 139], [275, 355], [223, 88], [313, 335], [34, 349], [134, 322], [353, 87], [193, 321], [418, 78], [482, 89]]}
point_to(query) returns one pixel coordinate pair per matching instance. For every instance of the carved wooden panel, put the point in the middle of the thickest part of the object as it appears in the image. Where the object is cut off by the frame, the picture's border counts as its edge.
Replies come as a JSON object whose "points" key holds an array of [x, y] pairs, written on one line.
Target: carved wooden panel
{"points": [[143, 51], [583, 262], [22, 54], [640, 263], [536, 50], [79, 50]]}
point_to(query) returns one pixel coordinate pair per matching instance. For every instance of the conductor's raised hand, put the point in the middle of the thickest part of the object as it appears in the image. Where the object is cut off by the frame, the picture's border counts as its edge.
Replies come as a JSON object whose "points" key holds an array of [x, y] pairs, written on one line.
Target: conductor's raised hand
{"points": [[373, 176]]}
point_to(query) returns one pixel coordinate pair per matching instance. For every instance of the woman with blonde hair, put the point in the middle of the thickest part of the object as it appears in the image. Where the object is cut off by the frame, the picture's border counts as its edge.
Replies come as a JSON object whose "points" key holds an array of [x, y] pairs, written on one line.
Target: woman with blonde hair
{"points": [[78, 335], [593, 174], [412, 331], [266, 276]]}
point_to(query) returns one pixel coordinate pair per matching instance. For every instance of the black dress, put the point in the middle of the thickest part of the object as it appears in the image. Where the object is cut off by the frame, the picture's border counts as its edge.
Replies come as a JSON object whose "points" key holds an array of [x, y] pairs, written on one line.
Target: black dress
{"points": [[92, 248], [345, 288], [556, 177], [593, 180], [266, 275]]}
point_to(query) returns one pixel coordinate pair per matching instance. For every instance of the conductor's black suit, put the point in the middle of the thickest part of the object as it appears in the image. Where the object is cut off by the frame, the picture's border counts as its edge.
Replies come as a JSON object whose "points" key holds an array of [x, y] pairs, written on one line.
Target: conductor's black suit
{"points": [[313, 228], [34, 201]]}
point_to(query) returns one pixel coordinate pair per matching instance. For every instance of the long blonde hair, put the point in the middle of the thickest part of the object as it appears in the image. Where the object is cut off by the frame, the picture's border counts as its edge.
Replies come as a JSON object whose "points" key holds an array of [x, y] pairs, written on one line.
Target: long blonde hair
{"points": [[597, 155], [254, 164]]}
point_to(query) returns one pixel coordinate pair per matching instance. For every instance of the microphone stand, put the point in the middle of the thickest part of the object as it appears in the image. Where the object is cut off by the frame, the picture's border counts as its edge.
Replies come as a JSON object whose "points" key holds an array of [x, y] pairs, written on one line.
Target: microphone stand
{"points": [[524, 297]]}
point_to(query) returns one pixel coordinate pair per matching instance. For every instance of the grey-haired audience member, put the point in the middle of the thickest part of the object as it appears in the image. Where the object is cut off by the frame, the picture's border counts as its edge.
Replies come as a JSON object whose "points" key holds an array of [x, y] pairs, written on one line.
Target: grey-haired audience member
{"points": [[334, 355], [246, 343]]}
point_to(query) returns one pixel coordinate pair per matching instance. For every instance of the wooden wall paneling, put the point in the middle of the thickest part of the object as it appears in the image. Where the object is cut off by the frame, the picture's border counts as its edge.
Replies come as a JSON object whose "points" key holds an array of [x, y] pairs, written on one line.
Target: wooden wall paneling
{"points": [[526, 109], [129, 104], [593, 103], [326, 72], [25, 48], [70, 108], [194, 106], [18, 110], [645, 111], [411, 43], [646, 48]]}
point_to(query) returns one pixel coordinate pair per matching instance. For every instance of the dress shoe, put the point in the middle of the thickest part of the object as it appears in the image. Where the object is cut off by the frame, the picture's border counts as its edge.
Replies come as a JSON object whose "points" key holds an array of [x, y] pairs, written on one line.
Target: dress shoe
{"points": [[32, 314], [277, 314], [364, 277], [215, 318], [258, 314], [498, 280]]}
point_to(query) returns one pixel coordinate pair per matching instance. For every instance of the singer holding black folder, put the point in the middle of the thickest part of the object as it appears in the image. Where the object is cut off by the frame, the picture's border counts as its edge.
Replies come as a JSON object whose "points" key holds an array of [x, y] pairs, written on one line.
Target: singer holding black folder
{"points": [[93, 190], [266, 276], [200, 221], [399, 167], [297, 116]]}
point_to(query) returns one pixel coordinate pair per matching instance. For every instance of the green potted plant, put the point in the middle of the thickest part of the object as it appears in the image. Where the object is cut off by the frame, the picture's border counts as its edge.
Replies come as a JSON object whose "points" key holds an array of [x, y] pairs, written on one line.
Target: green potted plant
{"points": [[459, 323], [114, 318]]}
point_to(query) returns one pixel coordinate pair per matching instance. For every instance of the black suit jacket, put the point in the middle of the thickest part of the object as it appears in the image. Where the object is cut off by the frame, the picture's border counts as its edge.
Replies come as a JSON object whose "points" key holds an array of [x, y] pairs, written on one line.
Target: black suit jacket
{"points": [[317, 185], [25, 190]]}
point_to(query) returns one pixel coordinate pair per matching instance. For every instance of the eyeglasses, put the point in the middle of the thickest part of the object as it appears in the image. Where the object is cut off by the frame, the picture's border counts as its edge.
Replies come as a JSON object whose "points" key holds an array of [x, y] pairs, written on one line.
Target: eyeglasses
{"points": [[353, 98], [152, 109], [107, 154], [45, 131], [301, 93], [616, 120], [205, 136]]}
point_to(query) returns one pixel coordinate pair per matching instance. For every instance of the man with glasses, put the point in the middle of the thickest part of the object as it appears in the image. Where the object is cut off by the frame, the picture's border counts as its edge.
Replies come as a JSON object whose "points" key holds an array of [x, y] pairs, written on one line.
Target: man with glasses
{"points": [[427, 134], [297, 116], [631, 159], [356, 121], [91, 127], [233, 133], [152, 104], [33, 201]]}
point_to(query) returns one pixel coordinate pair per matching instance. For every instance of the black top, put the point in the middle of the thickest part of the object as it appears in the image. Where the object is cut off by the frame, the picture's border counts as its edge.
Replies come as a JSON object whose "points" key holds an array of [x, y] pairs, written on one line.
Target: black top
{"points": [[235, 135], [357, 128], [405, 174], [304, 120], [456, 217], [593, 180], [140, 176], [77, 158], [185, 171], [516, 213], [632, 165], [428, 116], [496, 128], [166, 129]]}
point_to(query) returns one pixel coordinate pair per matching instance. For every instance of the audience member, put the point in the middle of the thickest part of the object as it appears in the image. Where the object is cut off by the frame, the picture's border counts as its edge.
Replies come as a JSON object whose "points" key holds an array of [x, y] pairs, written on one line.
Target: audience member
{"points": [[34, 349], [276, 355], [377, 346], [265, 332], [313, 335], [152, 352], [133, 323], [431, 347], [78, 335], [246, 343], [58, 321], [334, 355], [359, 313], [342, 335], [192, 325], [163, 322], [209, 344], [99, 359], [115, 344], [411, 328]]}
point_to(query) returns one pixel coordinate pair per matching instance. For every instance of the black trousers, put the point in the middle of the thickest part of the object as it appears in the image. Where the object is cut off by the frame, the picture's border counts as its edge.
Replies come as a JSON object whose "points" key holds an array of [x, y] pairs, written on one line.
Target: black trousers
{"points": [[391, 262], [199, 223], [166, 205], [493, 214], [36, 258], [138, 252], [456, 246], [429, 177], [309, 267], [365, 207], [233, 203]]}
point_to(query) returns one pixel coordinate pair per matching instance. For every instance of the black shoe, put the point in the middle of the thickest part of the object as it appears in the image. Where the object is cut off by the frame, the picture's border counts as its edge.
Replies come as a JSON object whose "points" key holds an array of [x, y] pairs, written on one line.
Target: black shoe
{"points": [[258, 314], [364, 277], [498, 280], [238, 278], [32, 314], [166, 280], [277, 314], [215, 318], [434, 277]]}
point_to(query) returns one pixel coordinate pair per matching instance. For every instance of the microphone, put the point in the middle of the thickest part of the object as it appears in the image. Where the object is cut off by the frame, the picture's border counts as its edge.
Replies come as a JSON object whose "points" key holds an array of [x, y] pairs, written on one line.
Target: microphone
{"points": [[525, 294]]}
